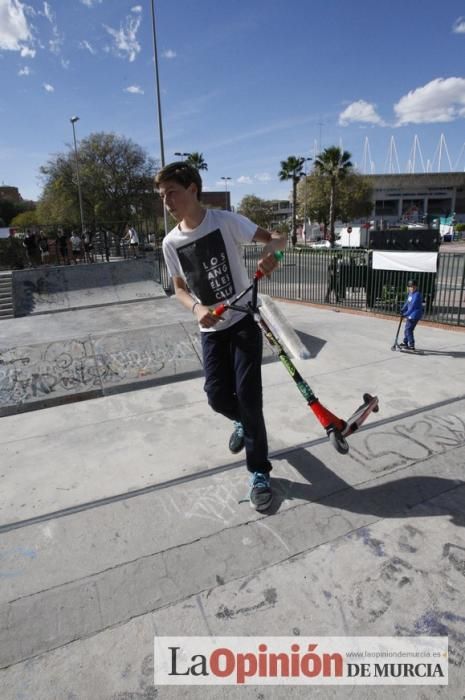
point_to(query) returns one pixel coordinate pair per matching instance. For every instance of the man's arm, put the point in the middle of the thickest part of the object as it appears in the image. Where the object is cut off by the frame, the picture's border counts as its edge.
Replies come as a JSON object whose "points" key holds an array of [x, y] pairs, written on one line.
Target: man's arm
{"points": [[201, 312], [273, 241]]}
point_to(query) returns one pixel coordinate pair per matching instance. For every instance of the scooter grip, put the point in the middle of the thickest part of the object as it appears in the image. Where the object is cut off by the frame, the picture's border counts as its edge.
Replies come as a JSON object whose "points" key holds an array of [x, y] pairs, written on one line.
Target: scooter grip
{"points": [[279, 255], [219, 311]]}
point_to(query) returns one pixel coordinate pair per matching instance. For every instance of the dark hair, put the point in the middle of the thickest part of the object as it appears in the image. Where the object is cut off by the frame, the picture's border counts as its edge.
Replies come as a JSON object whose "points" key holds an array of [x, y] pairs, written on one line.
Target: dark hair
{"points": [[182, 173], [412, 283]]}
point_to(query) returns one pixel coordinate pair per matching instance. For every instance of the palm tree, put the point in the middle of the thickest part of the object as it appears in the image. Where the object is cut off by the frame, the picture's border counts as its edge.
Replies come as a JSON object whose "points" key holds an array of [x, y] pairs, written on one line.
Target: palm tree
{"points": [[291, 169], [334, 164], [197, 161]]}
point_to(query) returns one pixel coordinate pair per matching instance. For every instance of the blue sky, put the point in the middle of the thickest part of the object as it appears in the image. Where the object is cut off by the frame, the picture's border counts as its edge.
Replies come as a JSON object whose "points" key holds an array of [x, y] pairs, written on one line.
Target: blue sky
{"points": [[245, 82]]}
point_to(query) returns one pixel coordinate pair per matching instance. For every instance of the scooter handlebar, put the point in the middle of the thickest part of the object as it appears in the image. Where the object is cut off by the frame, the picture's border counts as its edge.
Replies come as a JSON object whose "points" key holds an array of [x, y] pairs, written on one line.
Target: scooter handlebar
{"points": [[279, 255], [219, 310]]}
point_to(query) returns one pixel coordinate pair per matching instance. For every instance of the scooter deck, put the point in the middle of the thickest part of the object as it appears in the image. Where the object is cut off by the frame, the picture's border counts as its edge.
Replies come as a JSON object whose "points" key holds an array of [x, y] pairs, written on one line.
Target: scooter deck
{"points": [[370, 404], [410, 351]]}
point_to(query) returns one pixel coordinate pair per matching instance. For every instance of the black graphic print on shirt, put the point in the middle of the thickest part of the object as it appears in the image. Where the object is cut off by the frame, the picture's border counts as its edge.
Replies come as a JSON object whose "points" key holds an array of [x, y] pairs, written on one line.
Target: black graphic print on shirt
{"points": [[206, 267]]}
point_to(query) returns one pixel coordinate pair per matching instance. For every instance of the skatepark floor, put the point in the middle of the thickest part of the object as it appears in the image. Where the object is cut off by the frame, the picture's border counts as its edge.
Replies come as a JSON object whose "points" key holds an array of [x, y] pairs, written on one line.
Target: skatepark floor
{"points": [[123, 516]]}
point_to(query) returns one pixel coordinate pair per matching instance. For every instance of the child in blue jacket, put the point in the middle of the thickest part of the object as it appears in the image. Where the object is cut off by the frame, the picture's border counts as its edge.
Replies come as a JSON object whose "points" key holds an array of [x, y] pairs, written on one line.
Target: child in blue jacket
{"points": [[412, 310]]}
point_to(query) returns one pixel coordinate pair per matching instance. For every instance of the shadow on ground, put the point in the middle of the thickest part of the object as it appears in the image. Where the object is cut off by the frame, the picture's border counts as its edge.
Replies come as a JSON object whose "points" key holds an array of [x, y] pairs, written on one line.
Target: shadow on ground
{"points": [[395, 499], [313, 344]]}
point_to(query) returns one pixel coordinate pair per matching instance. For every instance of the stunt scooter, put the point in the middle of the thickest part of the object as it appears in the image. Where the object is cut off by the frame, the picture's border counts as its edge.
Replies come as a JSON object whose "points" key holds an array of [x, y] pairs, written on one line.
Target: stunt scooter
{"points": [[336, 428], [396, 346]]}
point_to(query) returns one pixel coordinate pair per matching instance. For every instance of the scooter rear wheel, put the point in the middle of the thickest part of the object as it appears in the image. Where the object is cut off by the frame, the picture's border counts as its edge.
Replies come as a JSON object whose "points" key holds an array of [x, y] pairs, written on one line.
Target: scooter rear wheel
{"points": [[339, 443]]}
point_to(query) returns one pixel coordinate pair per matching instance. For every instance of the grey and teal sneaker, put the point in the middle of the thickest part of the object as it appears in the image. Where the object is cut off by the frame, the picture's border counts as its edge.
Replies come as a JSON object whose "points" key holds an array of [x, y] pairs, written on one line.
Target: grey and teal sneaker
{"points": [[236, 441], [261, 495]]}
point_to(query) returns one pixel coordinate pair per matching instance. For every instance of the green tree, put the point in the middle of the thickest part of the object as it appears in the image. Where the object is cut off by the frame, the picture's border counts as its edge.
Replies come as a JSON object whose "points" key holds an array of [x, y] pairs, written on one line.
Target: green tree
{"points": [[9, 209], [260, 211], [26, 219], [197, 161], [291, 169], [334, 165], [116, 177], [354, 200], [355, 197]]}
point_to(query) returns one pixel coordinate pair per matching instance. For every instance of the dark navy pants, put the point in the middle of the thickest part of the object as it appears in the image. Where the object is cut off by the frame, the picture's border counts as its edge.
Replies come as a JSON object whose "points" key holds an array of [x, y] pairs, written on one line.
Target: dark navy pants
{"points": [[408, 332], [232, 362]]}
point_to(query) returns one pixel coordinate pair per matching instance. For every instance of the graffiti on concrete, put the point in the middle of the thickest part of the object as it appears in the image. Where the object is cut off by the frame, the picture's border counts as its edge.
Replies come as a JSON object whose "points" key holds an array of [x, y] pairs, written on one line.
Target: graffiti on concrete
{"points": [[29, 373], [409, 442], [130, 363], [71, 367]]}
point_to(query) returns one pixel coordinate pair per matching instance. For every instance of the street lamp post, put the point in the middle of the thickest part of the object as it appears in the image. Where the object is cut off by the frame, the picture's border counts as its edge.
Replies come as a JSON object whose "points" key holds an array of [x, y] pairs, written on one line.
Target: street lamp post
{"points": [[305, 202], [225, 190], [73, 120], [157, 86], [183, 155]]}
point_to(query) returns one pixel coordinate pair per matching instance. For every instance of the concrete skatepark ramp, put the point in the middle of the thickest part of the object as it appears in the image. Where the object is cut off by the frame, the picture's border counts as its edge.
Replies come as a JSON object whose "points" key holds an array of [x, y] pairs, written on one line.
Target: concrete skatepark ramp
{"points": [[50, 289], [86, 353]]}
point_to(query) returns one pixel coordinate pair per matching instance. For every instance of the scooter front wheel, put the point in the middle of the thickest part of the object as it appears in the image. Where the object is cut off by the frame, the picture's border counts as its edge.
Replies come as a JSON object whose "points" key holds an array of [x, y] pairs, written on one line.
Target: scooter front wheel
{"points": [[339, 442]]}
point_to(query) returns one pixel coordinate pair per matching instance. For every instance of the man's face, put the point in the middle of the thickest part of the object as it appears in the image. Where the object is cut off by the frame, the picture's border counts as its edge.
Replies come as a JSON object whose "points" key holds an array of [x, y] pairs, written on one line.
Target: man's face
{"points": [[176, 198]]}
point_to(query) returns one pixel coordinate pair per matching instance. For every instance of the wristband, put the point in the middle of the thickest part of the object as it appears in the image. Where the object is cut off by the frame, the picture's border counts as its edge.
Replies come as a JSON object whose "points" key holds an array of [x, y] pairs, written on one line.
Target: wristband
{"points": [[196, 303]]}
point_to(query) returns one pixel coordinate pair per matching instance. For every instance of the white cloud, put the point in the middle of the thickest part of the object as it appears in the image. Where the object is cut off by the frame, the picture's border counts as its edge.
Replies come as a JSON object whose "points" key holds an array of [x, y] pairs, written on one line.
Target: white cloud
{"points": [[360, 111], [136, 8], [54, 44], [15, 33], [459, 26], [169, 53], [27, 52], [125, 41], [249, 180], [134, 90], [91, 3], [441, 100], [88, 46], [24, 71], [48, 88], [48, 12]]}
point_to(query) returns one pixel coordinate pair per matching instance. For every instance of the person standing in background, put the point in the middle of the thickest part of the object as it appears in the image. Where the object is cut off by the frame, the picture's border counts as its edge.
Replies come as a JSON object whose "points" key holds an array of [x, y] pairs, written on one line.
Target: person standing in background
{"points": [[412, 310]]}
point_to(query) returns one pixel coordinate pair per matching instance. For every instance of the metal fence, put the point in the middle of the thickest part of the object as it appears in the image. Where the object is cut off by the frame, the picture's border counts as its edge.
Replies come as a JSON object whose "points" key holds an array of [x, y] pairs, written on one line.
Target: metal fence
{"points": [[106, 237], [345, 278]]}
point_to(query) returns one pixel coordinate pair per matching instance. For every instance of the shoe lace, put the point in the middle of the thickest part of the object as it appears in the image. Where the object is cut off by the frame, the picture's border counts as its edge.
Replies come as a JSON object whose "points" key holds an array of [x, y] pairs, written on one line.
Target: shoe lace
{"points": [[259, 480], [238, 429]]}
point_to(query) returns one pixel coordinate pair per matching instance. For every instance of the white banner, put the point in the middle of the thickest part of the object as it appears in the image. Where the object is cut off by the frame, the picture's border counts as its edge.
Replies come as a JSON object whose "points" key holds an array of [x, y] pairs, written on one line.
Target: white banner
{"points": [[404, 261], [299, 660]]}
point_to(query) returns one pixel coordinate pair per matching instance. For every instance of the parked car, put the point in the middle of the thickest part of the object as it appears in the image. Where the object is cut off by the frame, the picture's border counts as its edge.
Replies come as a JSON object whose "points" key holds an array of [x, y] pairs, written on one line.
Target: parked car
{"points": [[321, 244]]}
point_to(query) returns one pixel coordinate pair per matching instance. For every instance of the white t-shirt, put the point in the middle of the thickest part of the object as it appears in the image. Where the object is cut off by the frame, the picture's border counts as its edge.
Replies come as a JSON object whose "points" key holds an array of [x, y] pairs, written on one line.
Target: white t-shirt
{"points": [[209, 259], [75, 242], [133, 237]]}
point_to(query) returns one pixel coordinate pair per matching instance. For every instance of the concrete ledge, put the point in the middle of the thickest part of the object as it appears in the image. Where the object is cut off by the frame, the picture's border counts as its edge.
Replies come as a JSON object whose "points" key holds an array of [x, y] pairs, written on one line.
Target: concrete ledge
{"points": [[61, 371], [50, 289]]}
